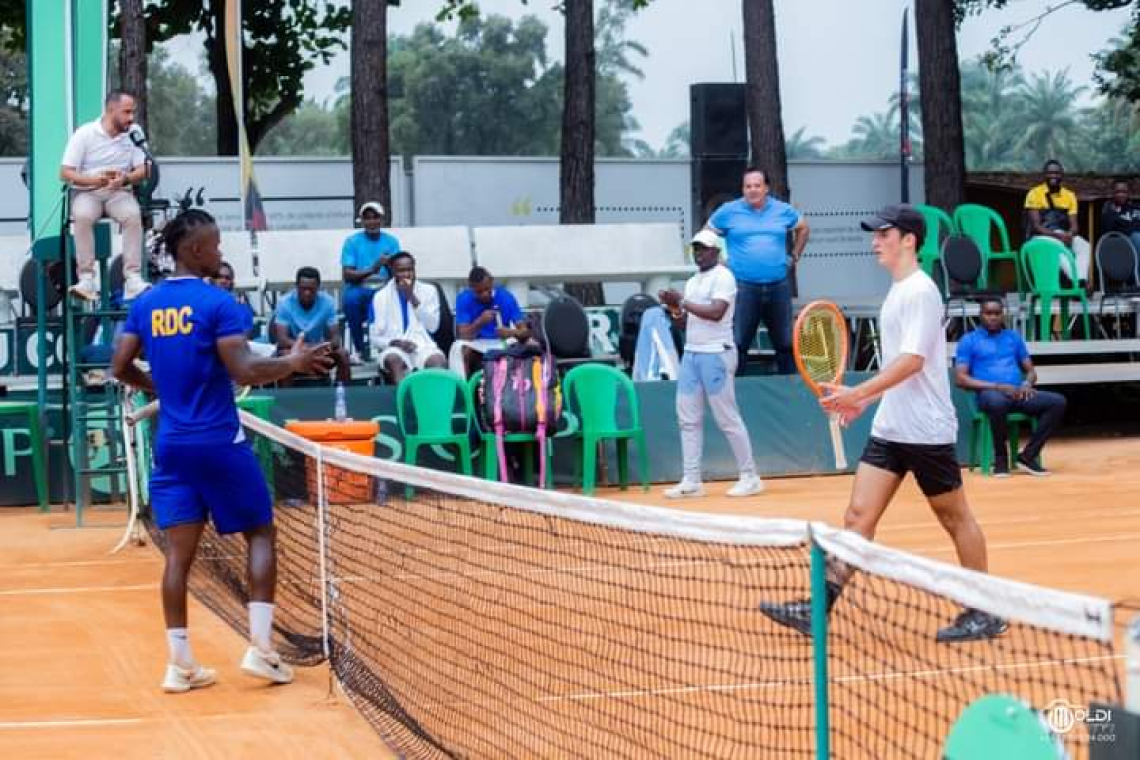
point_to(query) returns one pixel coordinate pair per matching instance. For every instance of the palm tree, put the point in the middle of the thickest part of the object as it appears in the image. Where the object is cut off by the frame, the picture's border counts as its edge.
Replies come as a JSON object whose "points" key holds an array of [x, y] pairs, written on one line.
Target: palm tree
{"points": [[992, 116], [1050, 116], [804, 148], [944, 154], [677, 143], [875, 137]]}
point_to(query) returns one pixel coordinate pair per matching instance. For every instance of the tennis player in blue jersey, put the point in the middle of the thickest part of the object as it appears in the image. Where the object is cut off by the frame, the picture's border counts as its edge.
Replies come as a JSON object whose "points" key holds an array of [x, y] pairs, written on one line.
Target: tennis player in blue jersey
{"points": [[193, 337]]}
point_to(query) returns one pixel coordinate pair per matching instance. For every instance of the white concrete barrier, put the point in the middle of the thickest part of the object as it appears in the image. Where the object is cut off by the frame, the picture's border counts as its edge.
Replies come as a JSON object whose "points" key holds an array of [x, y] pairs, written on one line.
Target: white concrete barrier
{"points": [[649, 254]]}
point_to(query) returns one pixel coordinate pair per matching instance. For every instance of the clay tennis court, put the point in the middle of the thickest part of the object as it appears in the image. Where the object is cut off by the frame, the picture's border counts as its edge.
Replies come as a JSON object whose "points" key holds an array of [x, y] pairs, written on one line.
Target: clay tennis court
{"points": [[83, 648]]}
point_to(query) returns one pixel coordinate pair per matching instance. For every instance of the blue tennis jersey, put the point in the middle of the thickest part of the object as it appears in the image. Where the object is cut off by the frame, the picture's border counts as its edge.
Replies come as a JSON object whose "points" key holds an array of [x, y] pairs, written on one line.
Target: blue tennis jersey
{"points": [[756, 239], [179, 322], [994, 358]]}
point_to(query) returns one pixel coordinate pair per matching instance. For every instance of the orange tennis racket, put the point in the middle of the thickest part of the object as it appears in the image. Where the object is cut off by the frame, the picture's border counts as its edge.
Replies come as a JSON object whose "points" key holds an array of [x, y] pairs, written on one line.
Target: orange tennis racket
{"points": [[819, 344]]}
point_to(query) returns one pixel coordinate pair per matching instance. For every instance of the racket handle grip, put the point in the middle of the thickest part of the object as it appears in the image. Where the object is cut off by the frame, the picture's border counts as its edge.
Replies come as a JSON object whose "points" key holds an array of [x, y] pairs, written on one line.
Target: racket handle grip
{"points": [[837, 442]]}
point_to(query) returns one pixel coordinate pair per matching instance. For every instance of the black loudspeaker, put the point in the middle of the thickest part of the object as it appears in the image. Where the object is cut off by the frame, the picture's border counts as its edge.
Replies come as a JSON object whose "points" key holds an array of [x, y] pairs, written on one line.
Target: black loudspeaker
{"points": [[714, 181], [718, 120]]}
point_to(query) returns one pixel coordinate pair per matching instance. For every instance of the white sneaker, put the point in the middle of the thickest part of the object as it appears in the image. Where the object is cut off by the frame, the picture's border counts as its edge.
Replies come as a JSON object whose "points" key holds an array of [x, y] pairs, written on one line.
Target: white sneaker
{"points": [[749, 485], [266, 665], [85, 288], [684, 490], [133, 287], [179, 680]]}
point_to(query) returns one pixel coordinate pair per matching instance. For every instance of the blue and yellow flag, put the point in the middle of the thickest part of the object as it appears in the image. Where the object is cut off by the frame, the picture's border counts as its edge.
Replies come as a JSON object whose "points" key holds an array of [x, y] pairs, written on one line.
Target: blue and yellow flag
{"points": [[253, 212]]}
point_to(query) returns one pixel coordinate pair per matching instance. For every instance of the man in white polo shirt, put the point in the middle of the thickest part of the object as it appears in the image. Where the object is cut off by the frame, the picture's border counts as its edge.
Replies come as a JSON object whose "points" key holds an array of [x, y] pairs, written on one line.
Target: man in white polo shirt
{"points": [[101, 163]]}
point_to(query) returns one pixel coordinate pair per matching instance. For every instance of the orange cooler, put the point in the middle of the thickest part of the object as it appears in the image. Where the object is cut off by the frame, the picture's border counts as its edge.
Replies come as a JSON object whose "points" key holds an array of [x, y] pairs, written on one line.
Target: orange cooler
{"points": [[341, 486]]}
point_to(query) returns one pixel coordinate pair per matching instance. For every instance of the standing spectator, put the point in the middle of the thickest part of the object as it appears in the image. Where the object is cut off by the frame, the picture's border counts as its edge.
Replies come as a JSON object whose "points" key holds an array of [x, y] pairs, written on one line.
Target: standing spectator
{"points": [[756, 229], [1120, 214], [309, 312], [101, 164], [364, 261], [404, 314], [707, 370], [994, 362], [1052, 210], [485, 317]]}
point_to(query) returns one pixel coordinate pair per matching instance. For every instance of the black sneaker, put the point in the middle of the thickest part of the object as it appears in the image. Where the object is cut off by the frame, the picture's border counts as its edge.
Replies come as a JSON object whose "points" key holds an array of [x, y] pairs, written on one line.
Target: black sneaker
{"points": [[972, 625], [1031, 467], [795, 615], [1001, 469]]}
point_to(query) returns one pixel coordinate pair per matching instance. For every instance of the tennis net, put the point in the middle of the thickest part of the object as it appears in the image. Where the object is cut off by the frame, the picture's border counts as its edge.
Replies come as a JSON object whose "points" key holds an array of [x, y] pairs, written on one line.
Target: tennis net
{"points": [[480, 620]]}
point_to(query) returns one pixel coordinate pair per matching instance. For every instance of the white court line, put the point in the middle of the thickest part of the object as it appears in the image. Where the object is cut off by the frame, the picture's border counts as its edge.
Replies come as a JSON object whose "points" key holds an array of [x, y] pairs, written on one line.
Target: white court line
{"points": [[806, 683], [77, 723], [1009, 520], [1031, 544], [76, 589], [83, 563]]}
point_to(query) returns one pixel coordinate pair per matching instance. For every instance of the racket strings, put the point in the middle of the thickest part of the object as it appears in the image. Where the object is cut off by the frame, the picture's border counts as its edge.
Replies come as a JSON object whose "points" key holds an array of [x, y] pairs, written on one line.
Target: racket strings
{"points": [[820, 345]]}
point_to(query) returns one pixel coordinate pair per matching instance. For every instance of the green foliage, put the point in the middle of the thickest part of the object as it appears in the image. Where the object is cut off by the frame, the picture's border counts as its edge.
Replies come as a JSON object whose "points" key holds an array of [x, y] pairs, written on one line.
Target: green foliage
{"points": [[181, 111], [801, 147], [488, 89], [284, 39], [13, 100]]}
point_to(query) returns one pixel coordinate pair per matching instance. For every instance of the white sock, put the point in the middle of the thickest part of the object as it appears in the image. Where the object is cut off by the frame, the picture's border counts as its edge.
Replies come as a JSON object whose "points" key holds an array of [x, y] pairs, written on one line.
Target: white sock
{"points": [[261, 625], [178, 640]]}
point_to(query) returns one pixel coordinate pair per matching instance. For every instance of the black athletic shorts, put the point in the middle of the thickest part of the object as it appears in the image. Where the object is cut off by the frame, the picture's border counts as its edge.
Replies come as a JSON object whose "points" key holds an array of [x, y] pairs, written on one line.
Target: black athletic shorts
{"points": [[935, 467]]}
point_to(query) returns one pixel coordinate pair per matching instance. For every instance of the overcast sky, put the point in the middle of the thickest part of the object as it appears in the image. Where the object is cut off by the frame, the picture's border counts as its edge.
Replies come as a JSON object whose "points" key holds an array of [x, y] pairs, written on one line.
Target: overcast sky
{"points": [[838, 58]]}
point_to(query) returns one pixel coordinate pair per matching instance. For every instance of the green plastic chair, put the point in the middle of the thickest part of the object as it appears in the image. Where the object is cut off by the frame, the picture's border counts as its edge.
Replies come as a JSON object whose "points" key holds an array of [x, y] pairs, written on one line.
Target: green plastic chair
{"points": [[982, 439], [431, 393], [1041, 258], [939, 226], [978, 223], [261, 407], [29, 410], [490, 451], [593, 391]]}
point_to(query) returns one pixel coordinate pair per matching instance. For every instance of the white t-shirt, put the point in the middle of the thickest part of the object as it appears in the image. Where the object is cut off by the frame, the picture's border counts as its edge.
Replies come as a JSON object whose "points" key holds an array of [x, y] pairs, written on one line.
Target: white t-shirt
{"points": [[919, 409], [91, 151], [706, 336]]}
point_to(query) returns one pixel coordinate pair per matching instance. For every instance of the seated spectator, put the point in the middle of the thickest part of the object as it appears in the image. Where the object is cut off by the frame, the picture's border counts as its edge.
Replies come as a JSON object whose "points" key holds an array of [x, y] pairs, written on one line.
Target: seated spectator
{"points": [[485, 318], [225, 281], [1121, 215], [365, 260], [310, 313], [994, 362], [1052, 211], [404, 313]]}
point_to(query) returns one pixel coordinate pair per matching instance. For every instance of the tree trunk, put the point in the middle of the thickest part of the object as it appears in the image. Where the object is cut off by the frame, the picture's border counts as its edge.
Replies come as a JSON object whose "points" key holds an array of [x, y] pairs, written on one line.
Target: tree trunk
{"points": [[227, 136], [944, 156], [576, 169], [132, 55], [762, 77], [371, 180]]}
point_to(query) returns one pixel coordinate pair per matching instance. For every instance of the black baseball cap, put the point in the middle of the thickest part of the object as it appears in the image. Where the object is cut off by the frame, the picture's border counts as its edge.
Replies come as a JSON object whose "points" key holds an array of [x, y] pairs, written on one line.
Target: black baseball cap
{"points": [[902, 216]]}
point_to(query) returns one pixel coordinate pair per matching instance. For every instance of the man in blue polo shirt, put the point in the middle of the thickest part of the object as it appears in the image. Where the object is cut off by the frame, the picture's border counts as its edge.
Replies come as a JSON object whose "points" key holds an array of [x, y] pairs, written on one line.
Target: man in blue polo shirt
{"points": [[485, 317], [364, 270], [310, 313], [756, 228], [994, 362]]}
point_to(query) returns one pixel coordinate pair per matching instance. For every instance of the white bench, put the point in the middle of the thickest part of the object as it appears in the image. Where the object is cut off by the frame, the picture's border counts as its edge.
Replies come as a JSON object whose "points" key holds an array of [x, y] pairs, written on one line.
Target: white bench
{"points": [[652, 255], [443, 255]]}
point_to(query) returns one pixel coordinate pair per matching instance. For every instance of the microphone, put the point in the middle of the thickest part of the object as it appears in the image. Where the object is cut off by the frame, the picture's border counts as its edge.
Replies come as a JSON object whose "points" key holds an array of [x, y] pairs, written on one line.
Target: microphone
{"points": [[138, 137]]}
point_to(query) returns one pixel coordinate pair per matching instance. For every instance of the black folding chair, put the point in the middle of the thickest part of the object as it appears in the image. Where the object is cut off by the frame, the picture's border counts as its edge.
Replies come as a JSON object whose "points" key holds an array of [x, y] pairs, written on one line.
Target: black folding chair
{"points": [[962, 268], [1118, 267]]}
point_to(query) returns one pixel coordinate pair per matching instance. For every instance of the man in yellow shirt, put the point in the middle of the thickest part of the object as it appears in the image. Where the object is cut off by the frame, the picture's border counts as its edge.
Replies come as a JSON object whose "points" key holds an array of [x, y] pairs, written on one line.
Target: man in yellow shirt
{"points": [[1052, 211]]}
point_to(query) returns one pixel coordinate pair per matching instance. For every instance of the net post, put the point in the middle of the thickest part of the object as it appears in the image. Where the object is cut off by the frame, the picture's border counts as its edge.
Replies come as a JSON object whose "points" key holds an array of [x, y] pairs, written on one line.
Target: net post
{"points": [[322, 551], [819, 648], [1132, 666]]}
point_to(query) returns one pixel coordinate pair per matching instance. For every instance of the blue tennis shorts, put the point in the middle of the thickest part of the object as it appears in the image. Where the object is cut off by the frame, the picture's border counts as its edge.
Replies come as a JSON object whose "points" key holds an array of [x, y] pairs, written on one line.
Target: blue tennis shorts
{"points": [[223, 482]]}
